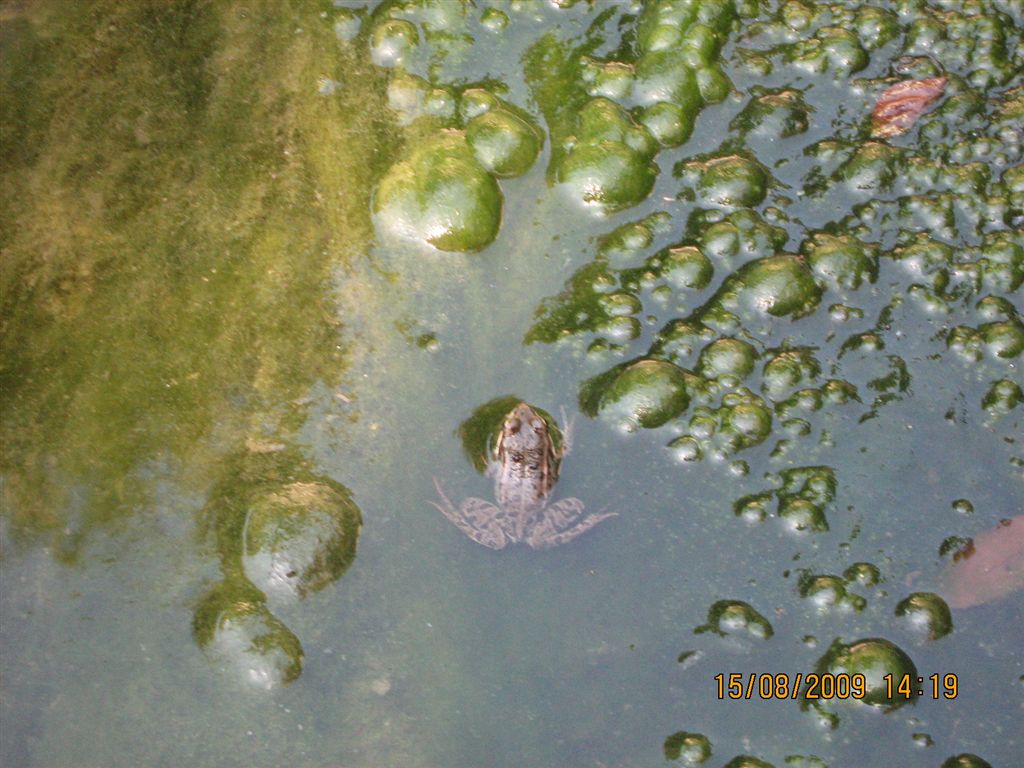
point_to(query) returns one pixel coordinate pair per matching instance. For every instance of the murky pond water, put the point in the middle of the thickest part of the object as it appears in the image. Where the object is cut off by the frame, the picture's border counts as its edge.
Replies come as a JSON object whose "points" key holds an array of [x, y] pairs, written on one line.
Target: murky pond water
{"points": [[270, 270]]}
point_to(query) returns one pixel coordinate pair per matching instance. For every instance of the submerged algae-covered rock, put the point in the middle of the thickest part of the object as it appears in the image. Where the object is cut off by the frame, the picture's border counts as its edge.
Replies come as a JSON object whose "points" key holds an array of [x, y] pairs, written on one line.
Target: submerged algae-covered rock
{"points": [[281, 529], [442, 195]]}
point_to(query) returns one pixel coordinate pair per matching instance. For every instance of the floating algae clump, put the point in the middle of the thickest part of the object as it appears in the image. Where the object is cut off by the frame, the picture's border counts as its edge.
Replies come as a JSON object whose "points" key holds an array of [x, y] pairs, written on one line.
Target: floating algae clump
{"points": [[442, 195], [645, 394]]}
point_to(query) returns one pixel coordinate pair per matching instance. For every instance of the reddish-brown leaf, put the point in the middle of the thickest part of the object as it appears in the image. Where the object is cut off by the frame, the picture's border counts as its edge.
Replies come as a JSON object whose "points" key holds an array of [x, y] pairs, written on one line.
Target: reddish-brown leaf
{"points": [[899, 106], [990, 568]]}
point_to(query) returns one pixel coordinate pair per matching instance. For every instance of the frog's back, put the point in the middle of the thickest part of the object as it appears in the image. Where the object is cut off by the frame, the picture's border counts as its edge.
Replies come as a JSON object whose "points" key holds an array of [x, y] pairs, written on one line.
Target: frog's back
{"points": [[527, 466]]}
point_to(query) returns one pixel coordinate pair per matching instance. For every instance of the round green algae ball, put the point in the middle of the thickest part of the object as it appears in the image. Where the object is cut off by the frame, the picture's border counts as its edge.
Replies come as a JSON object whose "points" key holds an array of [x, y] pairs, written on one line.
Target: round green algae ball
{"points": [[442, 195], [1003, 396], [1003, 339], [777, 285], [747, 761], [735, 617], [609, 173], [646, 394], [300, 538], [232, 623], [841, 262], [686, 267], [664, 76], [883, 664], [726, 356], [928, 612], [391, 41], [688, 748], [504, 143], [966, 760], [603, 120], [803, 515], [776, 115], [733, 181], [747, 422], [670, 124]]}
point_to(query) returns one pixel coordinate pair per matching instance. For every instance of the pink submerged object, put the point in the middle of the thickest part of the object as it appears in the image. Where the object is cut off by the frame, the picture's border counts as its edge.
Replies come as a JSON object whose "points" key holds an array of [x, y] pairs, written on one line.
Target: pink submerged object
{"points": [[990, 568], [899, 106]]}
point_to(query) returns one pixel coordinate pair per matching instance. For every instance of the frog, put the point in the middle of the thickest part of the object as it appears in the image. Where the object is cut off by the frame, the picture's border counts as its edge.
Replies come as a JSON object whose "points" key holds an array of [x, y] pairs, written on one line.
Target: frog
{"points": [[525, 462]]}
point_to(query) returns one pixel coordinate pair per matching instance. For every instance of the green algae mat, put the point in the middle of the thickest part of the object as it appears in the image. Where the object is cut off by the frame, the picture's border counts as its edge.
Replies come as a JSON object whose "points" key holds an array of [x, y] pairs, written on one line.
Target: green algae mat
{"points": [[269, 272]]}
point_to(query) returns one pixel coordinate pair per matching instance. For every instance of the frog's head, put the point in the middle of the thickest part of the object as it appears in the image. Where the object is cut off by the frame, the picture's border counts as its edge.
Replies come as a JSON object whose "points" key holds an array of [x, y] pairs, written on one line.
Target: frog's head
{"points": [[523, 428]]}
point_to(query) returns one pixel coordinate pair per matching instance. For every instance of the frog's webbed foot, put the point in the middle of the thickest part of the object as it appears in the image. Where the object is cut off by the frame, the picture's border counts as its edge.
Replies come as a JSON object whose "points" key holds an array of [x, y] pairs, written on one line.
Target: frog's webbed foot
{"points": [[478, 519], [560, 523]]}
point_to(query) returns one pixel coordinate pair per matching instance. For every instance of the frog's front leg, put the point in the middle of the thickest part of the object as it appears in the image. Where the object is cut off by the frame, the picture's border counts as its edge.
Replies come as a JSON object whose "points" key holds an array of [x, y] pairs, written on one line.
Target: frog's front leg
{"points": [[559, 523], [478, 519]]}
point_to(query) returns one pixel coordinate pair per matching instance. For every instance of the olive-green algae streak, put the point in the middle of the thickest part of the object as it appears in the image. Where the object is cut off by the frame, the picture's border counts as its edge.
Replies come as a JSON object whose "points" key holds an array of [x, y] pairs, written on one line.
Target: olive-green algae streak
{"points": [[166, 237], [176, 200]]}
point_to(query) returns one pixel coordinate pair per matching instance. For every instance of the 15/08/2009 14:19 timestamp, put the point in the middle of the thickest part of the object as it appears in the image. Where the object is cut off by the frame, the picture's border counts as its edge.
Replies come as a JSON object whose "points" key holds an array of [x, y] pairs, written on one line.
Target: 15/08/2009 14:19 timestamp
{"points": [[826, 685]]}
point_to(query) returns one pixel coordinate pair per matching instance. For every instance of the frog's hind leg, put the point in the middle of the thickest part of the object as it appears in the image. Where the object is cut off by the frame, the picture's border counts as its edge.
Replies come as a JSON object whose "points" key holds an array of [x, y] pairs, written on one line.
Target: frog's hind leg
{"points": [[478, 519], [560, 523]]}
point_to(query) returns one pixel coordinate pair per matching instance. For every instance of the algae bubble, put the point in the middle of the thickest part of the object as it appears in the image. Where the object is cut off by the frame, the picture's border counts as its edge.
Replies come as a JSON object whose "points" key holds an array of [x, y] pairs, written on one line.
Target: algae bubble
{"points": [[787, 369], [1002, 397], [685, 267], [608, 173], [300, 538], [747, 761], [504, 143], [735, 617], [232, 623], [726, 356], [775, 115], [865, 574], [391, 41], [840, 262], [688, 748], [927, 613], [827, 592], [965, 760], [441, 195], [776, 285], [883, 665], [645, 394], [608, 162], [733, 181], [803, 515]]}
